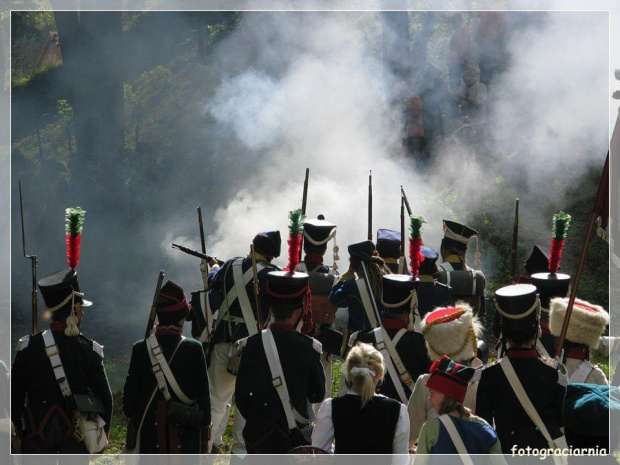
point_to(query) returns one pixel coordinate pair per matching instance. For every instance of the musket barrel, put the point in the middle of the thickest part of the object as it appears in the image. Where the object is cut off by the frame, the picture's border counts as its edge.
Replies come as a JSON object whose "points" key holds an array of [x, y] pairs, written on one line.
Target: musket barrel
{"points": [[153, 314], [370, 206], [33, 264], [513, 249], [202, 232], [402, 191], [259, 315]]}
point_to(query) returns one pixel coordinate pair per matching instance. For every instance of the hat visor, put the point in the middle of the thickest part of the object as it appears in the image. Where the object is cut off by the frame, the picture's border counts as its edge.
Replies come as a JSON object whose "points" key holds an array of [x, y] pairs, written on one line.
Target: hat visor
{"points": [[86, 303]]}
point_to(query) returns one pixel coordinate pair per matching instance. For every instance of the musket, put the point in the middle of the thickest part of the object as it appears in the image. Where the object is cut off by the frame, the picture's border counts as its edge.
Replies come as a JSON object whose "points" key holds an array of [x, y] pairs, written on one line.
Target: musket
{"points": [[195, 253], [259, 314], [33, 263], [373, 302], [370, 206], [402, 191], [304, 201], [204, 271], [513, 249], [402, 262], [151, 323]]}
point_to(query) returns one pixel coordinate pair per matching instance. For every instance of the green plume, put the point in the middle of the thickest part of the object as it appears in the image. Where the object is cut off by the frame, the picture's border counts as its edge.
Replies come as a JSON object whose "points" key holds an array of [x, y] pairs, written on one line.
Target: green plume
{"points": [[74, 220], [561, 221], [296, 223], [416, 226]]}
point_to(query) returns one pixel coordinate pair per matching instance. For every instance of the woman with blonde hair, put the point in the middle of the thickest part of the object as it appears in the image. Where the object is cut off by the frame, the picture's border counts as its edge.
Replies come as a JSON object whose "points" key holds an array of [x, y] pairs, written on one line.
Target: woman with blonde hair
{"points": [[350, 421]]}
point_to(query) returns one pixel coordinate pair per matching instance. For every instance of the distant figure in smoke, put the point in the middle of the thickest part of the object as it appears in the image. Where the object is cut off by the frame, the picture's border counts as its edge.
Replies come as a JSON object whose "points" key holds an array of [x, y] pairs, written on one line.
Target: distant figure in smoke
{"points": [[322, 277], [413, 137], [164, 421], [232, 284], [388, 248], [459, 50], [491, 38], [471, 101]]}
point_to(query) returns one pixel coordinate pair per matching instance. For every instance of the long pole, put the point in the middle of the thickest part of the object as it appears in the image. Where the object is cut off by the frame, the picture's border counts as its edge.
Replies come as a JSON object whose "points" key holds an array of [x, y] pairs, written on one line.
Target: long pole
{"points": [[370, 206], [513, 249], [33, 264], [601, 199], [304, 202]]}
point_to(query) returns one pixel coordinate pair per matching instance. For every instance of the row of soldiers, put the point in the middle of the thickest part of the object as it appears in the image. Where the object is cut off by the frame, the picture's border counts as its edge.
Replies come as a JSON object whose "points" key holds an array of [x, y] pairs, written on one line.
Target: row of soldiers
{"points": [[273, 341]]}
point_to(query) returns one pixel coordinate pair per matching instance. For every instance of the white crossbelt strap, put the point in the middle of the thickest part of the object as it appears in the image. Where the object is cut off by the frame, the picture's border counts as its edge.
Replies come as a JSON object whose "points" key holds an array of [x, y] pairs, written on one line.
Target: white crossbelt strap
{"points": [[51, 349], [162, 371], [541, 349], [446, 266], [242, 296], [384, 343], [204, 303], [278, 380], [531, 411], [456, 439], [581, 373], [366, 303]]}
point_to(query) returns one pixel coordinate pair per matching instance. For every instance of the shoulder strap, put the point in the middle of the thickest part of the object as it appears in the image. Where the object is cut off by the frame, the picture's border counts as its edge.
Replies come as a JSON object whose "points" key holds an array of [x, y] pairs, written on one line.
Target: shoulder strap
{"points": [[581, 373], [405, 377], [162, 371], [456, 439], [206, 305], [541, 348], [383, 347], [366, 303], [51, 349], [446, 266], [401, 332], [526, 403], [242, 296], [278, 380]]}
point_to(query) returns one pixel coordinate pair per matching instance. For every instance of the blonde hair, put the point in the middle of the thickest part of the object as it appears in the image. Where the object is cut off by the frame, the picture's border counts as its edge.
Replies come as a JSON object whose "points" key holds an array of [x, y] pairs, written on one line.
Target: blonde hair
{"points": [[363, 365]]}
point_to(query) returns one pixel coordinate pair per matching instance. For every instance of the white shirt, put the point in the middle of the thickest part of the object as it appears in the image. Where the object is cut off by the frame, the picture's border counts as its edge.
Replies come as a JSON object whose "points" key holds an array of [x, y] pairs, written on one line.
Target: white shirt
{"points": [[323, 433]]}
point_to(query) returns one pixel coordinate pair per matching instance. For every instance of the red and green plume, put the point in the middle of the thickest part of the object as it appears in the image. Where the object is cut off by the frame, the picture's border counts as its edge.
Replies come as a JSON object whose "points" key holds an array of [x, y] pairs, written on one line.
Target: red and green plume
{"points": [[561, 221], [74, 222], [295, 235], [415, 244]]}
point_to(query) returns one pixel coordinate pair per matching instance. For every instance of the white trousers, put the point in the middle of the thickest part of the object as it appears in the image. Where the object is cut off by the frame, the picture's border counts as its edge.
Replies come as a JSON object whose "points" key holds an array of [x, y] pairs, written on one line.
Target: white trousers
{"points": [[326, 361], [222, 388]]}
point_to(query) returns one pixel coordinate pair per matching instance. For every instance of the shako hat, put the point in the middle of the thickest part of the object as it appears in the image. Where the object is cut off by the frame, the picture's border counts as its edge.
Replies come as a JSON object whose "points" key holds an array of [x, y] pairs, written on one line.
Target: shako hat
{"points": [[286, 290], [59, 290], [518, 307], [550, 285], [388, 243], [450, 378], [428, 266], [172, 304], [318, 232], [457, 235], [587, 321], [362, 250], [451, 331], [399, 293], [538, 261], [268, 243]]}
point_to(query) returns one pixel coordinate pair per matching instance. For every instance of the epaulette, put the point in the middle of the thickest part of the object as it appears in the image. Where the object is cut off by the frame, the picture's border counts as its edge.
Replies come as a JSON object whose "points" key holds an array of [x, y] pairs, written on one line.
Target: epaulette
{"points": [[98, 348], [317, 346], [353, 338], [22, 343]]}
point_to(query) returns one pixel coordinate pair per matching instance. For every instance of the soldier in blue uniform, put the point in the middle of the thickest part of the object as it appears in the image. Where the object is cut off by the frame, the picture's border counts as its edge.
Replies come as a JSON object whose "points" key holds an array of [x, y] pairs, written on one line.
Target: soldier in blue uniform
{"points": [[467, 284], [279, 364], [346, 292], [398, 302], [431, 294], [147, 408], [43, 417], [388, 248], [237, 318], [322, 277], [519, 308]]}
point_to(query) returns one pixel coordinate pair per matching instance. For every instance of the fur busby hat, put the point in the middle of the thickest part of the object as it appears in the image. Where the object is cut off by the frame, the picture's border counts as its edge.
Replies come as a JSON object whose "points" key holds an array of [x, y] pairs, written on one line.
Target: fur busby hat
{"points": [[399, 295], [518, 307], [268, 243], [452, 331], [388, 243], [457, 235], [286, 290], [172, 304], [587, 321], [450, 378]]}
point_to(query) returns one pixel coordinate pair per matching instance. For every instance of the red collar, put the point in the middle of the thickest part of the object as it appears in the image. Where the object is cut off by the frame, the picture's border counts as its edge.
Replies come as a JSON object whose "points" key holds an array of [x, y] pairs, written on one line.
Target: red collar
{"points": [[313, 259], [393, 323], [281, 327], [58, 326], [576, 353], [522, 353]]}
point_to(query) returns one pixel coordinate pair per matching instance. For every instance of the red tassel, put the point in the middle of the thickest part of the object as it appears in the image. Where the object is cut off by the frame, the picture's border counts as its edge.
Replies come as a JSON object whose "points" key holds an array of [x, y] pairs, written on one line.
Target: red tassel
{"points": [[415, 256], [73, 249], [294, 249], [557, 246]]}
